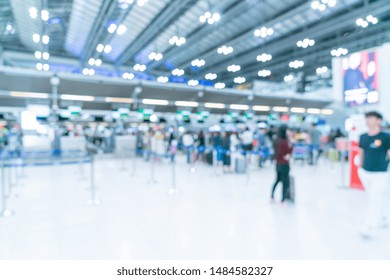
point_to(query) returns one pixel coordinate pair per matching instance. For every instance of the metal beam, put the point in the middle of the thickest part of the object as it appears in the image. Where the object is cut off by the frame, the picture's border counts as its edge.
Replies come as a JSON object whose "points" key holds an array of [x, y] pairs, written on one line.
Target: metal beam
{"points": [[165, 18]]}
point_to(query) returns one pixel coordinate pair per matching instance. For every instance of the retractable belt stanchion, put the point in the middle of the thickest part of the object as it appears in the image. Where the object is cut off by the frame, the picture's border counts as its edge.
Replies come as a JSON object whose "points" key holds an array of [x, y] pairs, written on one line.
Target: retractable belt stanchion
{"points": [[247, 163], [93, 200], [123, 168], [342, 145], [152, 157], [5, 212], [173, 190], [81, 167], [134, 165]]}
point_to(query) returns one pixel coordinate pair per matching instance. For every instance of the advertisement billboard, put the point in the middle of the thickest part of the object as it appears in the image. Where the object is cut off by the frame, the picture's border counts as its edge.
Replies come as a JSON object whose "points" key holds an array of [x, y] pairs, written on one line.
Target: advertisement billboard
{"points": [[360, 77]]}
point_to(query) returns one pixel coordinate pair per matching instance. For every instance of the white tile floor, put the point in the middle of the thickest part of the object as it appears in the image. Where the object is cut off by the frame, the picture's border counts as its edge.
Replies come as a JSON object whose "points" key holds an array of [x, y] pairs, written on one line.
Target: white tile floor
{"points": [[212, 217]]}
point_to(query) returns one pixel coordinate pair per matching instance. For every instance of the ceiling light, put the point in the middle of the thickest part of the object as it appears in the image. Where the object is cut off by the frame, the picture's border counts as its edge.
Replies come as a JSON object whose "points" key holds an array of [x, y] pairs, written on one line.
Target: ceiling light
{"points": [[91, 61], [186, 104], [296, 64], [178, 41], [107, 49], [313, 111], [100, 48], [198, 62], [225, 50], [193, 83], [323, 4], [128, 76], [327, 111], [339, 52], [38, 55], [29, 94], [264, 73], [33, 12], [121, 30], [155, 56], [45, 39], [264, 57], [46, 67], [305, 43], [210, 18], [280, 109], [239, 107], [139, 67], [77, 97], [210, 76], [141, 3], [36, 38], [288, 78], [239, 80], [214, 105], [261, 108], [155, 102], [370, 19], [45, 15], [263, 32], [98, 62], [162, 79], [234, 68], [118, 100], [112, 28], [298, 110], [178, 72], [220, 85], [88, 71], [322, 70], [39, 66]]}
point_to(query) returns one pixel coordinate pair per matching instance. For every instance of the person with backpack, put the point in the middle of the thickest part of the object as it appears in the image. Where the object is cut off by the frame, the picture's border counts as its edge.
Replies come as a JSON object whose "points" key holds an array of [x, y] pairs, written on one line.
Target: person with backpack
{"points": [[283, 151]]}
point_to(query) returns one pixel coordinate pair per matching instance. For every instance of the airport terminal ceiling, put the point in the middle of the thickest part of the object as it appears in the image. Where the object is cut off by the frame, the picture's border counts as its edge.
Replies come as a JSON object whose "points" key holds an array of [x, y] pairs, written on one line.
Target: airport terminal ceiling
{"points": [[202, 45]]}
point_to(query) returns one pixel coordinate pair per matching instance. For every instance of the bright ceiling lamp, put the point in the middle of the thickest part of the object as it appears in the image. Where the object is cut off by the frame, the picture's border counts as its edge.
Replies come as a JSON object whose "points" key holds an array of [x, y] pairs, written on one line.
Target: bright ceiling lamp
{"points": [[118, 100], [220, 85], [46, 67], [186, 104], [322, 70], [100, 48], [323, 4], [239, 107], [297, 110], [339, 52], [112, 28], [198, 62], [261, 108], [313, 111], [162, 79], [214, 105], [178, 72], [121, 30], [36, 38], [128, 76], [160, 102], [107, 49], [210, 76], [155, 56], [239, 80], [141, 3], [39, 66], [28, 94], [288, 78], [45, 15], [178, 41], [45, 56], [77, 97], [263, 32], [296, 64], [45, 39], [33, 12], [305, 43], [234, 68], [193, 83], [280, 109], [264, 73], [139, 67], [264, 57], [209, 17], [88, 72], [38, 55], [370, 19], [225, 50], [327, 112]]}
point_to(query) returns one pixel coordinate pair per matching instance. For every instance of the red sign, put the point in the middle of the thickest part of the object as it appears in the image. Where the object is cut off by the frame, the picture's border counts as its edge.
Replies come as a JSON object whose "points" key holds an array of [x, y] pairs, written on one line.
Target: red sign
{"points": [[354, 160], [342, 144]]}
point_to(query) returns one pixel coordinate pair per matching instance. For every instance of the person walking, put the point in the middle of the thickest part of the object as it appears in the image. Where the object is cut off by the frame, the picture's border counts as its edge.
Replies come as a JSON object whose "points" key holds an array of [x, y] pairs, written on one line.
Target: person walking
{"points": [[373, 172], [283, 150]]}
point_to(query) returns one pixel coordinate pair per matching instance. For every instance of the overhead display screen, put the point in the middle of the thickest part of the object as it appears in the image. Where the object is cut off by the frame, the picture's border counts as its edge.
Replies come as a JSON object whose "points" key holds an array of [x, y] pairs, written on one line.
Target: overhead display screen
{"points": [[360, 73]]}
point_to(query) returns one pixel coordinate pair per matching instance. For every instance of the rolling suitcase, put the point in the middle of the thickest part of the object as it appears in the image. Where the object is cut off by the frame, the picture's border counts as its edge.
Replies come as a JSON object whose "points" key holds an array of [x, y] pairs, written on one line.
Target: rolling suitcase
{"points": [[240, 165], [209, 157]]}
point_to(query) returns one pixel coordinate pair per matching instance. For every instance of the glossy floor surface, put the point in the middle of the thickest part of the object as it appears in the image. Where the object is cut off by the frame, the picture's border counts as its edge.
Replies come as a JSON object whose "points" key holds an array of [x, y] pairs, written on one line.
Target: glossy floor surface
{"points": [[213, 215]]}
